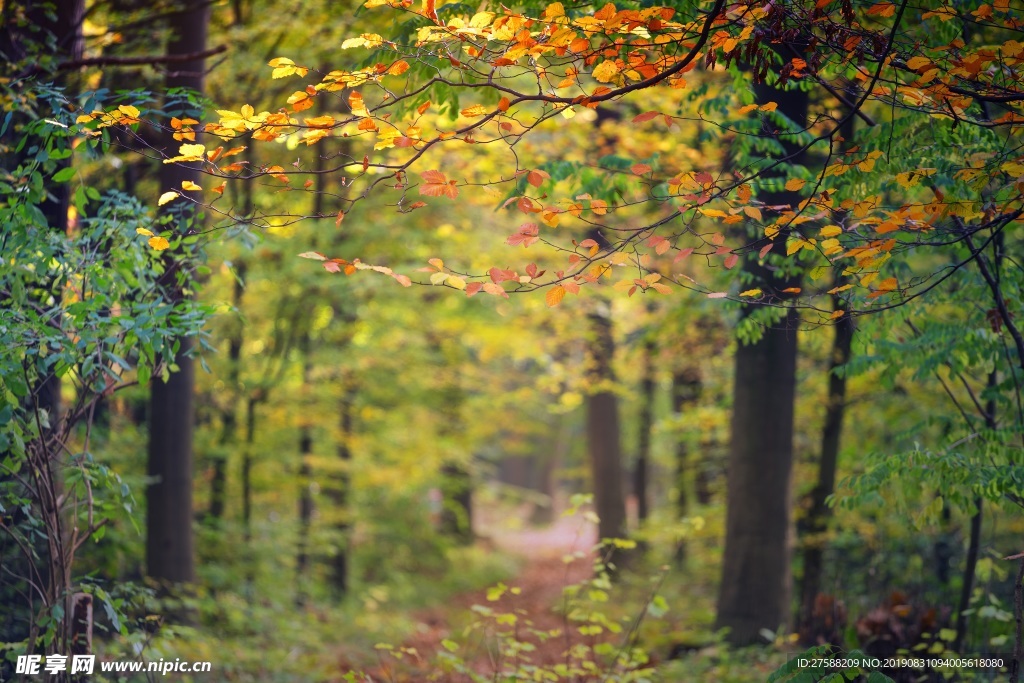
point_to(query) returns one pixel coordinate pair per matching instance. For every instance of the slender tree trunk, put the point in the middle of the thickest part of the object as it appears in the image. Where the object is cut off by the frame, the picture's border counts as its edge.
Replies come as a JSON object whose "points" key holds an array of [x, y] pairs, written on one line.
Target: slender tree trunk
{"points": [[646, 421], [819, 514], [169, 542], [305, 482], [755, 589], [229, 419], [1018, 616], [250, 441], [687, 386], [603, 433], [342, 495], [974, 543]]}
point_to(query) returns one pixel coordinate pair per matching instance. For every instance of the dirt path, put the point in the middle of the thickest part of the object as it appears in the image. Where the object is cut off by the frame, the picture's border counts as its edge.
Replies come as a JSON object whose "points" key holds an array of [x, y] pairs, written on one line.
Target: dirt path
{"points": [[543, 575]]}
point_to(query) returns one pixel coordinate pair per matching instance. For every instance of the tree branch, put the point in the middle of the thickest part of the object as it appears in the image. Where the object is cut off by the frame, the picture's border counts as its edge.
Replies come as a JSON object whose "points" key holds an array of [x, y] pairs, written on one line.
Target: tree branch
{"points": [[141, 60]]}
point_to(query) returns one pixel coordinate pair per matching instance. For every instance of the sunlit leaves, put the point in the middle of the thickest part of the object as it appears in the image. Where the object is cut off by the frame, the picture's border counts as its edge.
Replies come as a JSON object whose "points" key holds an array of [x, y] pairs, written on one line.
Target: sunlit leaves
{"points": [[188, 152], [167, 197]]}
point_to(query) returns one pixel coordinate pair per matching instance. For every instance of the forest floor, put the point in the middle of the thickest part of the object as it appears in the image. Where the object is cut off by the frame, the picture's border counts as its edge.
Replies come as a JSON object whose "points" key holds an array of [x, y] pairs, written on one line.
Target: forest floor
{"points": [[543, 574]]}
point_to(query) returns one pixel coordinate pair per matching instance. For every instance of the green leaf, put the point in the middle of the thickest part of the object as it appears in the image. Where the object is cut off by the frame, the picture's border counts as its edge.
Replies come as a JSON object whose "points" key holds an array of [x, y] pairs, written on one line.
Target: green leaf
{"points": [[64, 175]]}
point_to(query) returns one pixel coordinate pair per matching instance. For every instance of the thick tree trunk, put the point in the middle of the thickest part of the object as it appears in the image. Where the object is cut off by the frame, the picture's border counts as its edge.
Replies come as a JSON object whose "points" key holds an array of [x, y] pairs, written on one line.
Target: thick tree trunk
{"points": [[603, 433], [169, 544], [819, 514], [755, 589]]}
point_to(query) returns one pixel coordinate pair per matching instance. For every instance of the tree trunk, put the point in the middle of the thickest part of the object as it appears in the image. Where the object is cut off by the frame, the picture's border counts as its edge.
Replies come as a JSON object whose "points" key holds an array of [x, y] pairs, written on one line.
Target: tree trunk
{"points": [[687, 385], [229, 419], [603, 434], [340, 570], [755, 588], [819, 514], [169, 544], [646, 421], [305, 481]]}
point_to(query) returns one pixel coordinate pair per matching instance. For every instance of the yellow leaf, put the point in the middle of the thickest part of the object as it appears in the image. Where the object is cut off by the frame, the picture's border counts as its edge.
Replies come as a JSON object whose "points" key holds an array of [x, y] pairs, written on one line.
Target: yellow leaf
{"points": [[751, 292], [606, 71], [795, 184], [475, 110], [838, 313], [555, 295], [189, 186], [398, 68], [143, 231], [456, 282], [888, 284], [167, 197], [916, 63], [752, 212], [158, 243], [831, 231]]}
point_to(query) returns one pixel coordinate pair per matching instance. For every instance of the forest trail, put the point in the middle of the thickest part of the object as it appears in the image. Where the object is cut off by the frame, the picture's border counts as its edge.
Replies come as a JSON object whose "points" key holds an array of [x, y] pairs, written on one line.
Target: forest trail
{"points": [[541, 578]]}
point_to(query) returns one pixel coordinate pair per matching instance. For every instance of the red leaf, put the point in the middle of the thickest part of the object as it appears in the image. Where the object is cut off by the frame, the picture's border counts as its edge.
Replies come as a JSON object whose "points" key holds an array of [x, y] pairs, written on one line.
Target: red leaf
{"points": [[731, 260], [646, 116]]}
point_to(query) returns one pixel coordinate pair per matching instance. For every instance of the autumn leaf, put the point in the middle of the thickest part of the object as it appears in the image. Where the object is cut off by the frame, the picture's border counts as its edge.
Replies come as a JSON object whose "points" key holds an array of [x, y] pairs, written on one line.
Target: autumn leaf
{"points": [[555, 295], [436, 184], [190, 186], [158, 243], [144, 232], [537, 178], [315, 255], [167, 197], [795, 184], [751, 292], [527, 235], [646, 116], [475, 110], [640, 169], [606, 71]]}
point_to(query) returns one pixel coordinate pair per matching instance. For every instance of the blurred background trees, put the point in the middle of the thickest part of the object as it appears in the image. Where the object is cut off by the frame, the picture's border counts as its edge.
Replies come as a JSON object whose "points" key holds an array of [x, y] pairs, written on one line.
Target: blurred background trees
{"points": [[348, 452]]}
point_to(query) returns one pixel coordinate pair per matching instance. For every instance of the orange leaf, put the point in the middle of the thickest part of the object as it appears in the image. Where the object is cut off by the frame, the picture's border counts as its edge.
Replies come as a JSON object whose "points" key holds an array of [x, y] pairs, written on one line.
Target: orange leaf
{"points": [[537, 178], [555, 295], [436, 184], [795, 184], [640, 169]]}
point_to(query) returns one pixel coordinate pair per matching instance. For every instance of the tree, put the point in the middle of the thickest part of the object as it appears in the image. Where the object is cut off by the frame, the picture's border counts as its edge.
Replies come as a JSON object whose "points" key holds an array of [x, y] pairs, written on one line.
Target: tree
{"points": [[169, 538]]}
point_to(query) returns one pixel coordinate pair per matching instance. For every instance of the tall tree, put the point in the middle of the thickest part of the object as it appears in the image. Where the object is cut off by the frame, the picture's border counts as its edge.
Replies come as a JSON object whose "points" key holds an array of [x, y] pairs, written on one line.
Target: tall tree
{"points": [[169, 538], [755, 587], [603, 431], [818, 515]]}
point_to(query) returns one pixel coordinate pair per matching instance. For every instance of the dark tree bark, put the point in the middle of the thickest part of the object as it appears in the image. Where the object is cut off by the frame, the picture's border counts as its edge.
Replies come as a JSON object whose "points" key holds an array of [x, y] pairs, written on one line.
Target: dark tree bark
{"points": [[646, 421], [169, 537], [687, 385], [229, 418], [603, 432], [341, 496], [305, 482], [819, 514], [755, 589]]}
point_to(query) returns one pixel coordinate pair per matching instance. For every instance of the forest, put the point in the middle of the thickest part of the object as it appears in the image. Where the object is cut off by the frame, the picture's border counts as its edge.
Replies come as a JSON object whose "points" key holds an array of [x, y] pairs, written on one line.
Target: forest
{"points": [[403, 340]]}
